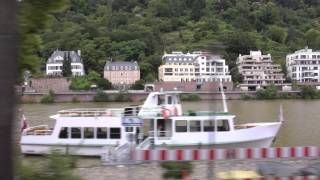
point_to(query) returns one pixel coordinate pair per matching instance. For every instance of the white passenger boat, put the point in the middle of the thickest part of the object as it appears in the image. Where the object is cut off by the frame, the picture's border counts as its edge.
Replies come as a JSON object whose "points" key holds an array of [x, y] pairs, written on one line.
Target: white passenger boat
{"points": [[158, 123]]}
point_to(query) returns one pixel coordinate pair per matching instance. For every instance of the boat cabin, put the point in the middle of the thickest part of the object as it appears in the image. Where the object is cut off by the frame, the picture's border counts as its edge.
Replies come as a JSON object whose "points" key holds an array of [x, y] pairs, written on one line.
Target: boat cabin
{"points": [[164, 104], [189, 130]]}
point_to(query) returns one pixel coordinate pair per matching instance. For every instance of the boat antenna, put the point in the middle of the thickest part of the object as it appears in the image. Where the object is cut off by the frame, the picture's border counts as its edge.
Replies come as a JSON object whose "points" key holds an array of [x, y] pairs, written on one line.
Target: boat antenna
{"points": [[224, 101], [281, 114]]}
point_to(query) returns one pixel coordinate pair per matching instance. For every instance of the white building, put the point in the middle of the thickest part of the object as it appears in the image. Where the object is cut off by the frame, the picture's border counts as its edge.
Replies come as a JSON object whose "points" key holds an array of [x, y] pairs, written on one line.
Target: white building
{"points": [[197, 66], [55, 63], [303, 66], [259, 71]]}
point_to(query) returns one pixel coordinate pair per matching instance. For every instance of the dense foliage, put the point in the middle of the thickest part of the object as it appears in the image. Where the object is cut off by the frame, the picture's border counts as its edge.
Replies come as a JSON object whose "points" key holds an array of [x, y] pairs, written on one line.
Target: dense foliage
{"points": [[104, 97], [34, 18], [177, 170], [55, 167], [88, 81], [48, 98], [309, 92], [143, 29], [190, 97], [66, 66], [270, 92]]}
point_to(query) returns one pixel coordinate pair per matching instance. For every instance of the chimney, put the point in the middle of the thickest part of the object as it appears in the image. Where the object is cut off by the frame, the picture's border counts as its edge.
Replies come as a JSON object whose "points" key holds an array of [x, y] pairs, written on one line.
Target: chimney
{"points": [[79, 52]]}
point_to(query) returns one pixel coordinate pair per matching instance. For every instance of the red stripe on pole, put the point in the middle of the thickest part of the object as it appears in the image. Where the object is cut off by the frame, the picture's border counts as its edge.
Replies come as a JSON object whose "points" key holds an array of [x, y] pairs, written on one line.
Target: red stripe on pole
{"points": [[163, 155], [249, 153], [179, 154], [278, 152], [195, 154], [306, 152], [277, 178], [146, 155], [264, 152], [211, 154], [292, 152]]}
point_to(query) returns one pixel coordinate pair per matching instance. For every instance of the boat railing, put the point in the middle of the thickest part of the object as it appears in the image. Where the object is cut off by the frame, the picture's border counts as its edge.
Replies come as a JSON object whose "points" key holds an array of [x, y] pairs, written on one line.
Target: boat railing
{"points": [[131, 110], [243, 126], [38, 130], [164, 134], [91, 112], [145, 144]]}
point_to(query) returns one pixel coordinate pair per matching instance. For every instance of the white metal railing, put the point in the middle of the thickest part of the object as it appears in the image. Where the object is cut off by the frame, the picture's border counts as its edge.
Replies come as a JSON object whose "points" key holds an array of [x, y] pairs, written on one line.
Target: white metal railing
{"points": [[94, 112], [160, 133], [131, 110], [145, 144]]}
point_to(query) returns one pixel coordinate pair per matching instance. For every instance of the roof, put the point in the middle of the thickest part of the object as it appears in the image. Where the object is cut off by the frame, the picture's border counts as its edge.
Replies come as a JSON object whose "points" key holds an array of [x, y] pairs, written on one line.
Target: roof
{"points": [[129, 64], [75, 57]]}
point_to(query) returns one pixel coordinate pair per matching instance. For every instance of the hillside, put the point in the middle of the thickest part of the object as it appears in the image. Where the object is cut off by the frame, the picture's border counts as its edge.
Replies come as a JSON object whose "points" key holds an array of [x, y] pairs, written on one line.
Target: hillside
{"points": [[143, 29]]}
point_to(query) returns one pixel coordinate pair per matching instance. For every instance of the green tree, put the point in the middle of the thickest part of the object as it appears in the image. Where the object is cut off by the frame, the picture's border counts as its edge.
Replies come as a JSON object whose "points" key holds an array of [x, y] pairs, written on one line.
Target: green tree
{"points": [[138, 85], [270, 92], [309, 92], [66, 66], [312, 37], [80, 83], [34, 17], [277, 34]]}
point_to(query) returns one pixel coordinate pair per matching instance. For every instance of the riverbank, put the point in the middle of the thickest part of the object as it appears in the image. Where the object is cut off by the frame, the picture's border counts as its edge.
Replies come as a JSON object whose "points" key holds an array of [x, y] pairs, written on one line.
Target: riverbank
{"points": [[139, 96]]}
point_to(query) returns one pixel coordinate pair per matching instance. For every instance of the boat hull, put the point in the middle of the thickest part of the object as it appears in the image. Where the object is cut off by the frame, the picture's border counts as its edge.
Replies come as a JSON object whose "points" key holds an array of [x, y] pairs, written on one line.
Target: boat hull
{"points": [[81, 150], [246, 144]]}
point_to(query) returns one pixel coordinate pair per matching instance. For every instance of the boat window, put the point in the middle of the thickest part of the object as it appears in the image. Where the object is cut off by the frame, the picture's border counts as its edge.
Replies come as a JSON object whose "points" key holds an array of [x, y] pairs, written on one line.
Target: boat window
{"points": [[195, 126], [129, 129], [63, 133], [181, 126], [102, 133], [223, 125], [160, 99], [88, 133], [76, 132], [208, 125], [115, 133], [169, 99]]}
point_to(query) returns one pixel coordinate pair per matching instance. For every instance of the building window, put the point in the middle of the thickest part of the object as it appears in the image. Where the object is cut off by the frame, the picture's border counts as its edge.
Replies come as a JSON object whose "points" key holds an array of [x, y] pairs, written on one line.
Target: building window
{"points": [[88, 133], [76, 132], [63, 133], [102, 133], [115, 133], [195, 126], [181, 126]]}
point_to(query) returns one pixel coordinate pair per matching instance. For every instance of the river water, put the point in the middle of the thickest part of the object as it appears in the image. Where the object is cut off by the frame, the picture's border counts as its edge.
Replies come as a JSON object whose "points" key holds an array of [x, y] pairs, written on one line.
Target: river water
{"points": [[301, 126]]}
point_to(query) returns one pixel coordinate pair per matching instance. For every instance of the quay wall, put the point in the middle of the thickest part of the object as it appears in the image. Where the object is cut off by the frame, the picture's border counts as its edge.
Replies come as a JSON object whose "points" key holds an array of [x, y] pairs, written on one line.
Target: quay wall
{"points": [[136, 96]]}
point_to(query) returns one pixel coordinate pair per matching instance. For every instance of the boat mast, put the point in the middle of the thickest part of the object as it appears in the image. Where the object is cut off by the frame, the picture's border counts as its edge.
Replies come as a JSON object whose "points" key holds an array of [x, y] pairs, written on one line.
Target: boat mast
{"points": [[280, 117], [224, 101]]}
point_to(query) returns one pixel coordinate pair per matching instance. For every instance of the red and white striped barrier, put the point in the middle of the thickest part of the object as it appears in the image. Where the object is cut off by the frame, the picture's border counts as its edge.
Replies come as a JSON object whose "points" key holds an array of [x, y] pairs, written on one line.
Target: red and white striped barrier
{"points": [[286, 178], [224, 154]]}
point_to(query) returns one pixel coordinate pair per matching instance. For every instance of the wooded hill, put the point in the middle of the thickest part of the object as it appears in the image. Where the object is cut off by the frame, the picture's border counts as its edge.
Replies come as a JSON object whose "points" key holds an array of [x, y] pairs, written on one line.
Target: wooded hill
{"points": [[143, 29]]}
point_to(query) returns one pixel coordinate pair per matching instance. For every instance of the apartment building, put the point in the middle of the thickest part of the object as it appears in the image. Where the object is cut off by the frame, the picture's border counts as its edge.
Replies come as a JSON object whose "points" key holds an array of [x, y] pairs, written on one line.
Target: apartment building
{"points": [[258, 71], [55, 63], [122, 73], [193, 67], [303, 66]]}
